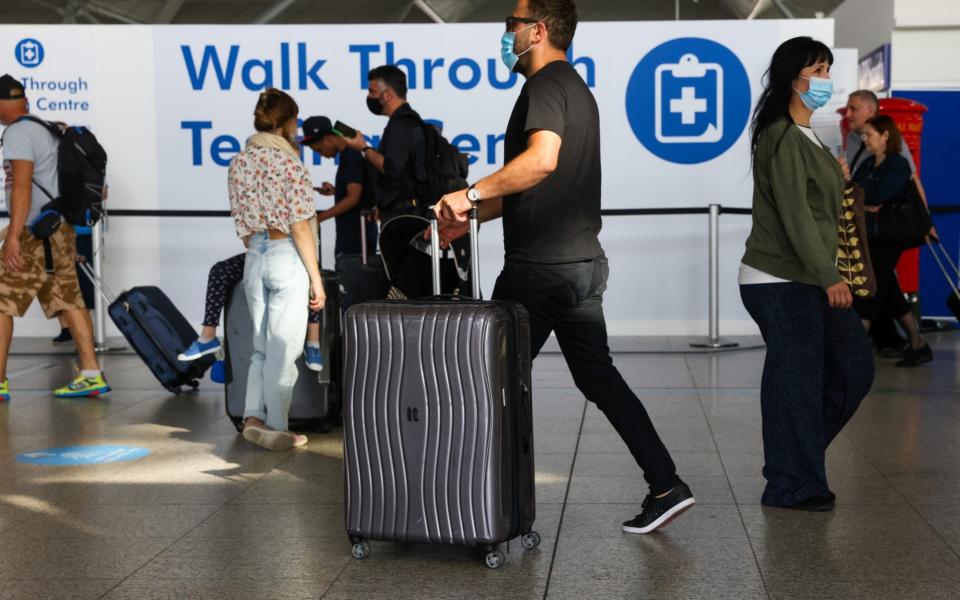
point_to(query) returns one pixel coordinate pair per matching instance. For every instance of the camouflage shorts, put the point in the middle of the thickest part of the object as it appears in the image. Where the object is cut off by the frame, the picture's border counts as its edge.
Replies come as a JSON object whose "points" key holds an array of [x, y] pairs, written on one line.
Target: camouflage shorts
{"points": [[57, 291]]}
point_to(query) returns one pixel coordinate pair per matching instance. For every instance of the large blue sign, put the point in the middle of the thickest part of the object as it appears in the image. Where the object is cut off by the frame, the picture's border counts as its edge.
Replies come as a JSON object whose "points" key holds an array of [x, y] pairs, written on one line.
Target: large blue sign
{"points": [[688, 100], [82, 455], [29, 53]]}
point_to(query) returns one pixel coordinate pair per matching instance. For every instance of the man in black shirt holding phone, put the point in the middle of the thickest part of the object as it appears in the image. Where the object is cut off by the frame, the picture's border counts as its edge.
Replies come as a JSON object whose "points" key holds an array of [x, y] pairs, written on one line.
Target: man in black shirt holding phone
{"points": [[548, 193]]}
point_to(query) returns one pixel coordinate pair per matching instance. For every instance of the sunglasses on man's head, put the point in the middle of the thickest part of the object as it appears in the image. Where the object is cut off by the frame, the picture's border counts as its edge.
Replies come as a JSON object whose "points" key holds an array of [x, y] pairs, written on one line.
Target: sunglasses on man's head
{"points": [[512, 21]]}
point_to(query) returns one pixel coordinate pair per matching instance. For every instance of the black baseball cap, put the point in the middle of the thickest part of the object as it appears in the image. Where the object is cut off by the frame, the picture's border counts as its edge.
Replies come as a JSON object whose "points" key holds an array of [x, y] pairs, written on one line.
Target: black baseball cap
{"points": [[315, 128], [11, 89]]}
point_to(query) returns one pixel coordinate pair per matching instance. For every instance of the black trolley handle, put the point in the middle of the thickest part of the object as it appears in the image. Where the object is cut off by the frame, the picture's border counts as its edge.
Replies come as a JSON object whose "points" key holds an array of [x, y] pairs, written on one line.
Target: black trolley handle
{"points": [[474, 251]]}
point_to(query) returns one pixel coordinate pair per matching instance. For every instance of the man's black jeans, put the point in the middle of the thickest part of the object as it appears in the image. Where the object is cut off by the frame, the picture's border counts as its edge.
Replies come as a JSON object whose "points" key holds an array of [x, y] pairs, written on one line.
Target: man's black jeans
{"points": [[819, 367], [568, 300]]}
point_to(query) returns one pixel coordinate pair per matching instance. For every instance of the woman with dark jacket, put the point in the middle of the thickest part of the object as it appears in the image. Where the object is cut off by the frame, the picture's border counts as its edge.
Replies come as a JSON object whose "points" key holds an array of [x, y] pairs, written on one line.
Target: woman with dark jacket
{"points": [[819, 363], [884, 176]]}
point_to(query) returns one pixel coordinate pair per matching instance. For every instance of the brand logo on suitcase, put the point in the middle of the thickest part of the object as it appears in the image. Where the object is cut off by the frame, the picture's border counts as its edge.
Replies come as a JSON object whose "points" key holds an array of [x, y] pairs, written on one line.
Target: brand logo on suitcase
{"points": [[413, 414]]}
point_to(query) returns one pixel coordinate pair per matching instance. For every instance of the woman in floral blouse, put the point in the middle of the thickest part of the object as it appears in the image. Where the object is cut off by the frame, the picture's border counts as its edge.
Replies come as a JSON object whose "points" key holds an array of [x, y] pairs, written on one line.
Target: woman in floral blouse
{"points": [[271, 198]]}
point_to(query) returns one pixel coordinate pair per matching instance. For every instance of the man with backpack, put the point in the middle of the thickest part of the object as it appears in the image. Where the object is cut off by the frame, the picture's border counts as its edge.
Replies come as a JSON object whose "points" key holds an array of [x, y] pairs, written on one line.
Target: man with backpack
{"points": [[31, 267], [416, 167]]}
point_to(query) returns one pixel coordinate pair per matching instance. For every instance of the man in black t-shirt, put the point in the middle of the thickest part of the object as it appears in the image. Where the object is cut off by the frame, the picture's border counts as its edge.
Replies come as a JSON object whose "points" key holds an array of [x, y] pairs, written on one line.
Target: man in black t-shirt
{"points": [[548, 193], [400, 163], [350, 194]]}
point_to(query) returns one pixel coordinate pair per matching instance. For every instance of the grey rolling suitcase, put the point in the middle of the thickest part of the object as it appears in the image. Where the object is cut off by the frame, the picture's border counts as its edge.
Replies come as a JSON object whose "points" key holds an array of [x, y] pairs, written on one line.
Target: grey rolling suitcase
{"points": [[316, 398], [438, 436]]}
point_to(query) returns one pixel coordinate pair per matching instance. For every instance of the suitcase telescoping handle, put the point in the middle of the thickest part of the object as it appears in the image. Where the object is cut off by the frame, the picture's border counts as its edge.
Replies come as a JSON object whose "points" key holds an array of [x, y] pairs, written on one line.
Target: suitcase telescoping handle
{"points": [[474, 251], [363, 238], [951, 279], [97, 282], [365, 214]]}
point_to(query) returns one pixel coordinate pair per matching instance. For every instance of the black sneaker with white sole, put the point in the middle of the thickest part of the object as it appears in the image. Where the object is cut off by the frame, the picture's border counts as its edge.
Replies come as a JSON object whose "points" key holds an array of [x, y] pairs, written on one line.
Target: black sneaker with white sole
{"points": [[658, 512]]}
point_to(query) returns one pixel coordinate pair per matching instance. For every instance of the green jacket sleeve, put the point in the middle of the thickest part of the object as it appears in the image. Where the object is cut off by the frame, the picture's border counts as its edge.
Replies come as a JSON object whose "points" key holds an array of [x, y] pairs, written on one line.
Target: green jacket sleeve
{"points": [[788, 182]]}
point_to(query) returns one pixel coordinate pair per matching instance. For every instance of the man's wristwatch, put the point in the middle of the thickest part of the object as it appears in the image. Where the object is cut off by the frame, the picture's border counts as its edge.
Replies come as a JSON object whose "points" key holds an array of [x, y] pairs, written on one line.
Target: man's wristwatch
{"points": [[364, 151], [473, 195]]}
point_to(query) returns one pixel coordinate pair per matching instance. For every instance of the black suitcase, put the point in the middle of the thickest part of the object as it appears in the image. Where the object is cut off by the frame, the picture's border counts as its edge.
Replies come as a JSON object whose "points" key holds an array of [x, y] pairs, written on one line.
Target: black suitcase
{"points": [[157, 331], [953, 299], [316, 396], [362, 277], [437, 429]]}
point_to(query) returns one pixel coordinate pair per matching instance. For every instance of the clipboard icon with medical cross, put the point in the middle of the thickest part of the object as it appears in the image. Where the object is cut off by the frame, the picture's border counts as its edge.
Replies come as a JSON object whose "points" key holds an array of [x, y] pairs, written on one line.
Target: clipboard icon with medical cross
{"points": [[689, 102]]}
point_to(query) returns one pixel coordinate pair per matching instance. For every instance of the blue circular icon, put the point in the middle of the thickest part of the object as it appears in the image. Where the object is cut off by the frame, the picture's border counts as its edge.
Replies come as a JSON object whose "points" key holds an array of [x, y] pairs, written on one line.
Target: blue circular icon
{"points": [[29, 53], [82, 455], [688, 100]]}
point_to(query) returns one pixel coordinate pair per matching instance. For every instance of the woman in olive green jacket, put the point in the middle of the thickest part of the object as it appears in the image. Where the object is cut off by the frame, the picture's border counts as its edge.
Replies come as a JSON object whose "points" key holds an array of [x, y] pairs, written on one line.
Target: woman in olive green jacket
{"points": [[819, 363]]}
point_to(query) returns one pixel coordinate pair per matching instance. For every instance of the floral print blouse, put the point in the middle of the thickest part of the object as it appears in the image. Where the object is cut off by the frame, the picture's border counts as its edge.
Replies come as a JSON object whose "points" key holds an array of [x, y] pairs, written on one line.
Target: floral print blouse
{"points": [[269, 189]]}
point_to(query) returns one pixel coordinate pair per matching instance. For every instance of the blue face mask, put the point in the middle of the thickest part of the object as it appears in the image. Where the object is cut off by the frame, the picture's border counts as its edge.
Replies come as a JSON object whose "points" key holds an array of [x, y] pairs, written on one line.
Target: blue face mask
{"points": [[820, 92], [507, 55]]}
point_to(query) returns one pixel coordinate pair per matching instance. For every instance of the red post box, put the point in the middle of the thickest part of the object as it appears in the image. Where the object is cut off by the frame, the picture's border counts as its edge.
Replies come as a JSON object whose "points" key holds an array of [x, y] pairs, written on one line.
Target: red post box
{"points": [[908, 115]]}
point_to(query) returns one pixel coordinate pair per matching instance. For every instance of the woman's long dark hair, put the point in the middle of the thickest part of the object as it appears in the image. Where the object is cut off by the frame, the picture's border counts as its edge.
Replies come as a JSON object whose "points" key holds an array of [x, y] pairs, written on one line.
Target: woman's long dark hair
{"points": [[789, 59]]}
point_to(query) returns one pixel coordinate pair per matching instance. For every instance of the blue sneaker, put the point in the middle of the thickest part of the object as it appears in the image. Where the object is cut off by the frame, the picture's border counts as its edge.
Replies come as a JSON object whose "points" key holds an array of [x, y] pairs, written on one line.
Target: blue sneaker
{"points": [[311, 355], [218, 372], [198, 349]]}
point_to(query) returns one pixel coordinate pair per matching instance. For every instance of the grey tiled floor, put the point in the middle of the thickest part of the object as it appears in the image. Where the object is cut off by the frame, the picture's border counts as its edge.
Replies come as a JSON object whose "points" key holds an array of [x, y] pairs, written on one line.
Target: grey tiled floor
{"points": [[206, 516]]}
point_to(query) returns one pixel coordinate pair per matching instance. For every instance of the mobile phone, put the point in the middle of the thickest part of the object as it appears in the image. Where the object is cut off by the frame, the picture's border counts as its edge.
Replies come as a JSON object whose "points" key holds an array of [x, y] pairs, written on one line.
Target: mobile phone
{"points": [[344, 130]]}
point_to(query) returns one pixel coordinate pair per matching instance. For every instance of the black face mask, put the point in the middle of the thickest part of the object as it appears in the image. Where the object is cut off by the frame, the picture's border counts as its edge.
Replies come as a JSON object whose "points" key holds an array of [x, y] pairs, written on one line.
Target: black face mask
{"points": [[374, 105]]}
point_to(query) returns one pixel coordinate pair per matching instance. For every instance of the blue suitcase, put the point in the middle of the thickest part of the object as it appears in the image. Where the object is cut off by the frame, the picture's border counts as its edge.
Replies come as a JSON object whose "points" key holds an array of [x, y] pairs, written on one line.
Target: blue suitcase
{"points": [[157, 331]]}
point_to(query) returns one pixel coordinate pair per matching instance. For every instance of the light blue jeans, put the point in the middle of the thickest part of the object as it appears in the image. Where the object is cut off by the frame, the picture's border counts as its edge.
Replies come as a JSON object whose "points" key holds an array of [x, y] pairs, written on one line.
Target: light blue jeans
{"points": [[278, 290]]}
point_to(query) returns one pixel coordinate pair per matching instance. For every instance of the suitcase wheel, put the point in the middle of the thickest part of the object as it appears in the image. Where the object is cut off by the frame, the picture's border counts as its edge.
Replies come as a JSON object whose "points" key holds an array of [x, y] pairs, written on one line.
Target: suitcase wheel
{"points": [[495, 559], [530, 540], [361, 550]]}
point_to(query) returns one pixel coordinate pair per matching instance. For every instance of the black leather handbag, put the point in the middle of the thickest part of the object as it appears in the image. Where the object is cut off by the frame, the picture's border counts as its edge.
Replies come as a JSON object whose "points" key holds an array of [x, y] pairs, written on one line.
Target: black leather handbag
{"points": [[905, 220]]}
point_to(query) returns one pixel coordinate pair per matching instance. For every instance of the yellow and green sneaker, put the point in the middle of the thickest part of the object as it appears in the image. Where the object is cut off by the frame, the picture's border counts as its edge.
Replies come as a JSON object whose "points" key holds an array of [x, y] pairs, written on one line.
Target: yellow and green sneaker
{"points": [[5, 390], [83, 386]]}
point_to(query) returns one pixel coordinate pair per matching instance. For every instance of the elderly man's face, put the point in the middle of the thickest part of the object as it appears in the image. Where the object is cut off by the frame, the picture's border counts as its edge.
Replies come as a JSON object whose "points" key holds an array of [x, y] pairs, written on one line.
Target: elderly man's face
{"points": [[858, 111]]}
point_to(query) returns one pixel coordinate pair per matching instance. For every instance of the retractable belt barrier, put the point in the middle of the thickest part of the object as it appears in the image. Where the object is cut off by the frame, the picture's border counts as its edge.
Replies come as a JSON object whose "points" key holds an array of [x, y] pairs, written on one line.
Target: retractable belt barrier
{"points": [[713, 211]]}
